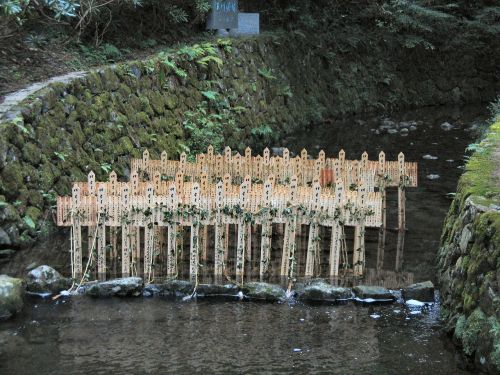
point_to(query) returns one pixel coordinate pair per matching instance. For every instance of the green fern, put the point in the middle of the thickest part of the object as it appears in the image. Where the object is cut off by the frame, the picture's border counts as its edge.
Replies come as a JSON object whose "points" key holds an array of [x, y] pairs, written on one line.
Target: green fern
{"points": [[266, 73], [165, 60], [205, 60]]}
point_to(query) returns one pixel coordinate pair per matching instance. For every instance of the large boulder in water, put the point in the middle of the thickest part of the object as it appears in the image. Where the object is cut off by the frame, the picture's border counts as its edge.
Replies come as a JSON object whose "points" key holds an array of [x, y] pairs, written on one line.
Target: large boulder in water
{"points": [[11, 296], [125, 287], [45, 279], [423, 292], [376, 293], [263, 291], [319, 290]]}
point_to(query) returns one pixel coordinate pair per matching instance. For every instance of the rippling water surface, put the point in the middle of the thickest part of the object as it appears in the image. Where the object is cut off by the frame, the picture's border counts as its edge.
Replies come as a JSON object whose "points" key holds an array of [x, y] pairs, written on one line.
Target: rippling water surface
{"points": [[154, 336], [85, 336]]}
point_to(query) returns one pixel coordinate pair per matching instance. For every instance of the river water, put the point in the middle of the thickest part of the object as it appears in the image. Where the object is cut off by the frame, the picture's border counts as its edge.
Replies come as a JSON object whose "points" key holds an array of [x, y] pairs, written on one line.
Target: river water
{"points": [[156, 336]]}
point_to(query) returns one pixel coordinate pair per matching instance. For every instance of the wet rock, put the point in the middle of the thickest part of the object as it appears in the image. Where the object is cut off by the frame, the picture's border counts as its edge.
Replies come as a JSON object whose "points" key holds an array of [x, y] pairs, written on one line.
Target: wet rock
{"points": [[413, 128], [45, 279], [446, 126], [432, 176], [387, 124], [176, 288], [125, 287], [404, 132], [392, 131], [429, 157], [320, 290], [423, 292], [373, 292], [151, 290], [263, 291], [214, 290], [11, 296]]}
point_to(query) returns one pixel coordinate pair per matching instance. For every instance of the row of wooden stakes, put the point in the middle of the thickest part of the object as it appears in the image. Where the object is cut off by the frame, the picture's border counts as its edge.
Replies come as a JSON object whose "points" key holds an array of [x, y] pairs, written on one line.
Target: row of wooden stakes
{"points": [[196, 201]]}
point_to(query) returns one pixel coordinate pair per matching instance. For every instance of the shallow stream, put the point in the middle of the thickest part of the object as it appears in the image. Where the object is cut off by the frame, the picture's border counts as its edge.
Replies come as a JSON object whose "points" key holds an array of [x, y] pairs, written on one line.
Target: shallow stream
{"points": [[82, 335]]}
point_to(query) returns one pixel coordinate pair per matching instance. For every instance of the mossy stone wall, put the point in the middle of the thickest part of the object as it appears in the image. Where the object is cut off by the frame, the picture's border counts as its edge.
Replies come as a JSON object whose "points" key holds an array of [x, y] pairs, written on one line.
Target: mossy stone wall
{"points": [[469, 258]]}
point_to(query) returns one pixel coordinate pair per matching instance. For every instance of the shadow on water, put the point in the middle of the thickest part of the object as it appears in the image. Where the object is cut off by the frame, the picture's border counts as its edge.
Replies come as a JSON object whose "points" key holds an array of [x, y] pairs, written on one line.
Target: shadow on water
{"points": [[151, 336]]}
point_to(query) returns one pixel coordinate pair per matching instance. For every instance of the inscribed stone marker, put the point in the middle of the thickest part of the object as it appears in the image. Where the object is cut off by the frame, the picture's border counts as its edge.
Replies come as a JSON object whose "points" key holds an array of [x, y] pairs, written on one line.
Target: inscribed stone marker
{"points": [[223, 15]]}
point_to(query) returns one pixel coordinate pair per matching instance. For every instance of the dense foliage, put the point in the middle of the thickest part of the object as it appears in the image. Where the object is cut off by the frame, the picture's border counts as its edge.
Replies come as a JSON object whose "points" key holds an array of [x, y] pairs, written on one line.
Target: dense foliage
{"points": [[96, 19]]}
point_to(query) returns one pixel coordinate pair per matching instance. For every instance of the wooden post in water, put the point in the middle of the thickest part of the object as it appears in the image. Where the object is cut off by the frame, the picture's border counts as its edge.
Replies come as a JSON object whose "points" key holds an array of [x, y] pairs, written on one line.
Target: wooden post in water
{"points": [[312, 245], [336, 230], [101, 234], [125, 234], [267, 228], [359, 235], [92, 232], [401, 211], [288, 259], [227, 186], [195, 230], [172, 232], [149, 236], [382, 189], [77, 236], [220, 249], [242, 230]]}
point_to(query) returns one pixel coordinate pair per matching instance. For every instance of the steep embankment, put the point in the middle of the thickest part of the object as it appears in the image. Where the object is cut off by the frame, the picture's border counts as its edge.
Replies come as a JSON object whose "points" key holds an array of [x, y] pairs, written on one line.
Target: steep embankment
{"points": [[469, 258], [241, 92]]}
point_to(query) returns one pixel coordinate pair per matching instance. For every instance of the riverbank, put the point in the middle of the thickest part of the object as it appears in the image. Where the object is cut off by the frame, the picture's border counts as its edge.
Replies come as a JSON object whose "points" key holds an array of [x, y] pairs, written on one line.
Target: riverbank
{"points": [[469, 257]]}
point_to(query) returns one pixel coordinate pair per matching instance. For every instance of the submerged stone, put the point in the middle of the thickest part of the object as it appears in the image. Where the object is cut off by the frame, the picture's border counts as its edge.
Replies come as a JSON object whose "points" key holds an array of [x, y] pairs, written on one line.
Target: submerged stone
{"points": [[423, 292], [11, 296], [263, 291], [446, 126], [320, 290], [433, 176], [124, 287], [45, 279], [373, 292]]}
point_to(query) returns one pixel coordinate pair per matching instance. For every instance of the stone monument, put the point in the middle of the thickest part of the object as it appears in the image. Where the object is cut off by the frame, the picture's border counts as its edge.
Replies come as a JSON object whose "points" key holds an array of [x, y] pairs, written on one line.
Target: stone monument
{"points": [[223, 15]]}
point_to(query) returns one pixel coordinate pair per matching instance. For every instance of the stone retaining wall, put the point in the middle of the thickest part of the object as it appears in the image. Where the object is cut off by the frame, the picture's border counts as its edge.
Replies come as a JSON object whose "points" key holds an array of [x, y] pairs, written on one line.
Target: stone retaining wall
{"points": [[469, 258]]}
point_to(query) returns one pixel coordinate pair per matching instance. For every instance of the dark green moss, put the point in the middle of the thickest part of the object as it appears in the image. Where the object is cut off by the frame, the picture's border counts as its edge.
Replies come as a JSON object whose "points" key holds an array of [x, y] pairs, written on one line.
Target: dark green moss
{"points": [[31, 153], [12, 179]]}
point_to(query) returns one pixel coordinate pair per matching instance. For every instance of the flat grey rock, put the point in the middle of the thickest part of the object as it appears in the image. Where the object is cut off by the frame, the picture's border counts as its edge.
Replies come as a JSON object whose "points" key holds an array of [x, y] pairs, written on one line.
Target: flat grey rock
{"points": [[373, 292], [176, 288], [263, 291], [320, 290], [124, 287], [214, 290]]}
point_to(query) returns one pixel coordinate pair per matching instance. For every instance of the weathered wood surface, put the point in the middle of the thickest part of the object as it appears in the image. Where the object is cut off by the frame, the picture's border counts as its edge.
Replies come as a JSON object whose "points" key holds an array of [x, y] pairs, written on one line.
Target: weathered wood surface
{"points": [[327, 171]]}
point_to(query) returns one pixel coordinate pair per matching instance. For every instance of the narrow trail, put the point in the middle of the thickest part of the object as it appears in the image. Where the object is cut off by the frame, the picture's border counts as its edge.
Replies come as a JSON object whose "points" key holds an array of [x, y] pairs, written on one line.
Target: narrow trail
{"points": [[10, 101]]}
